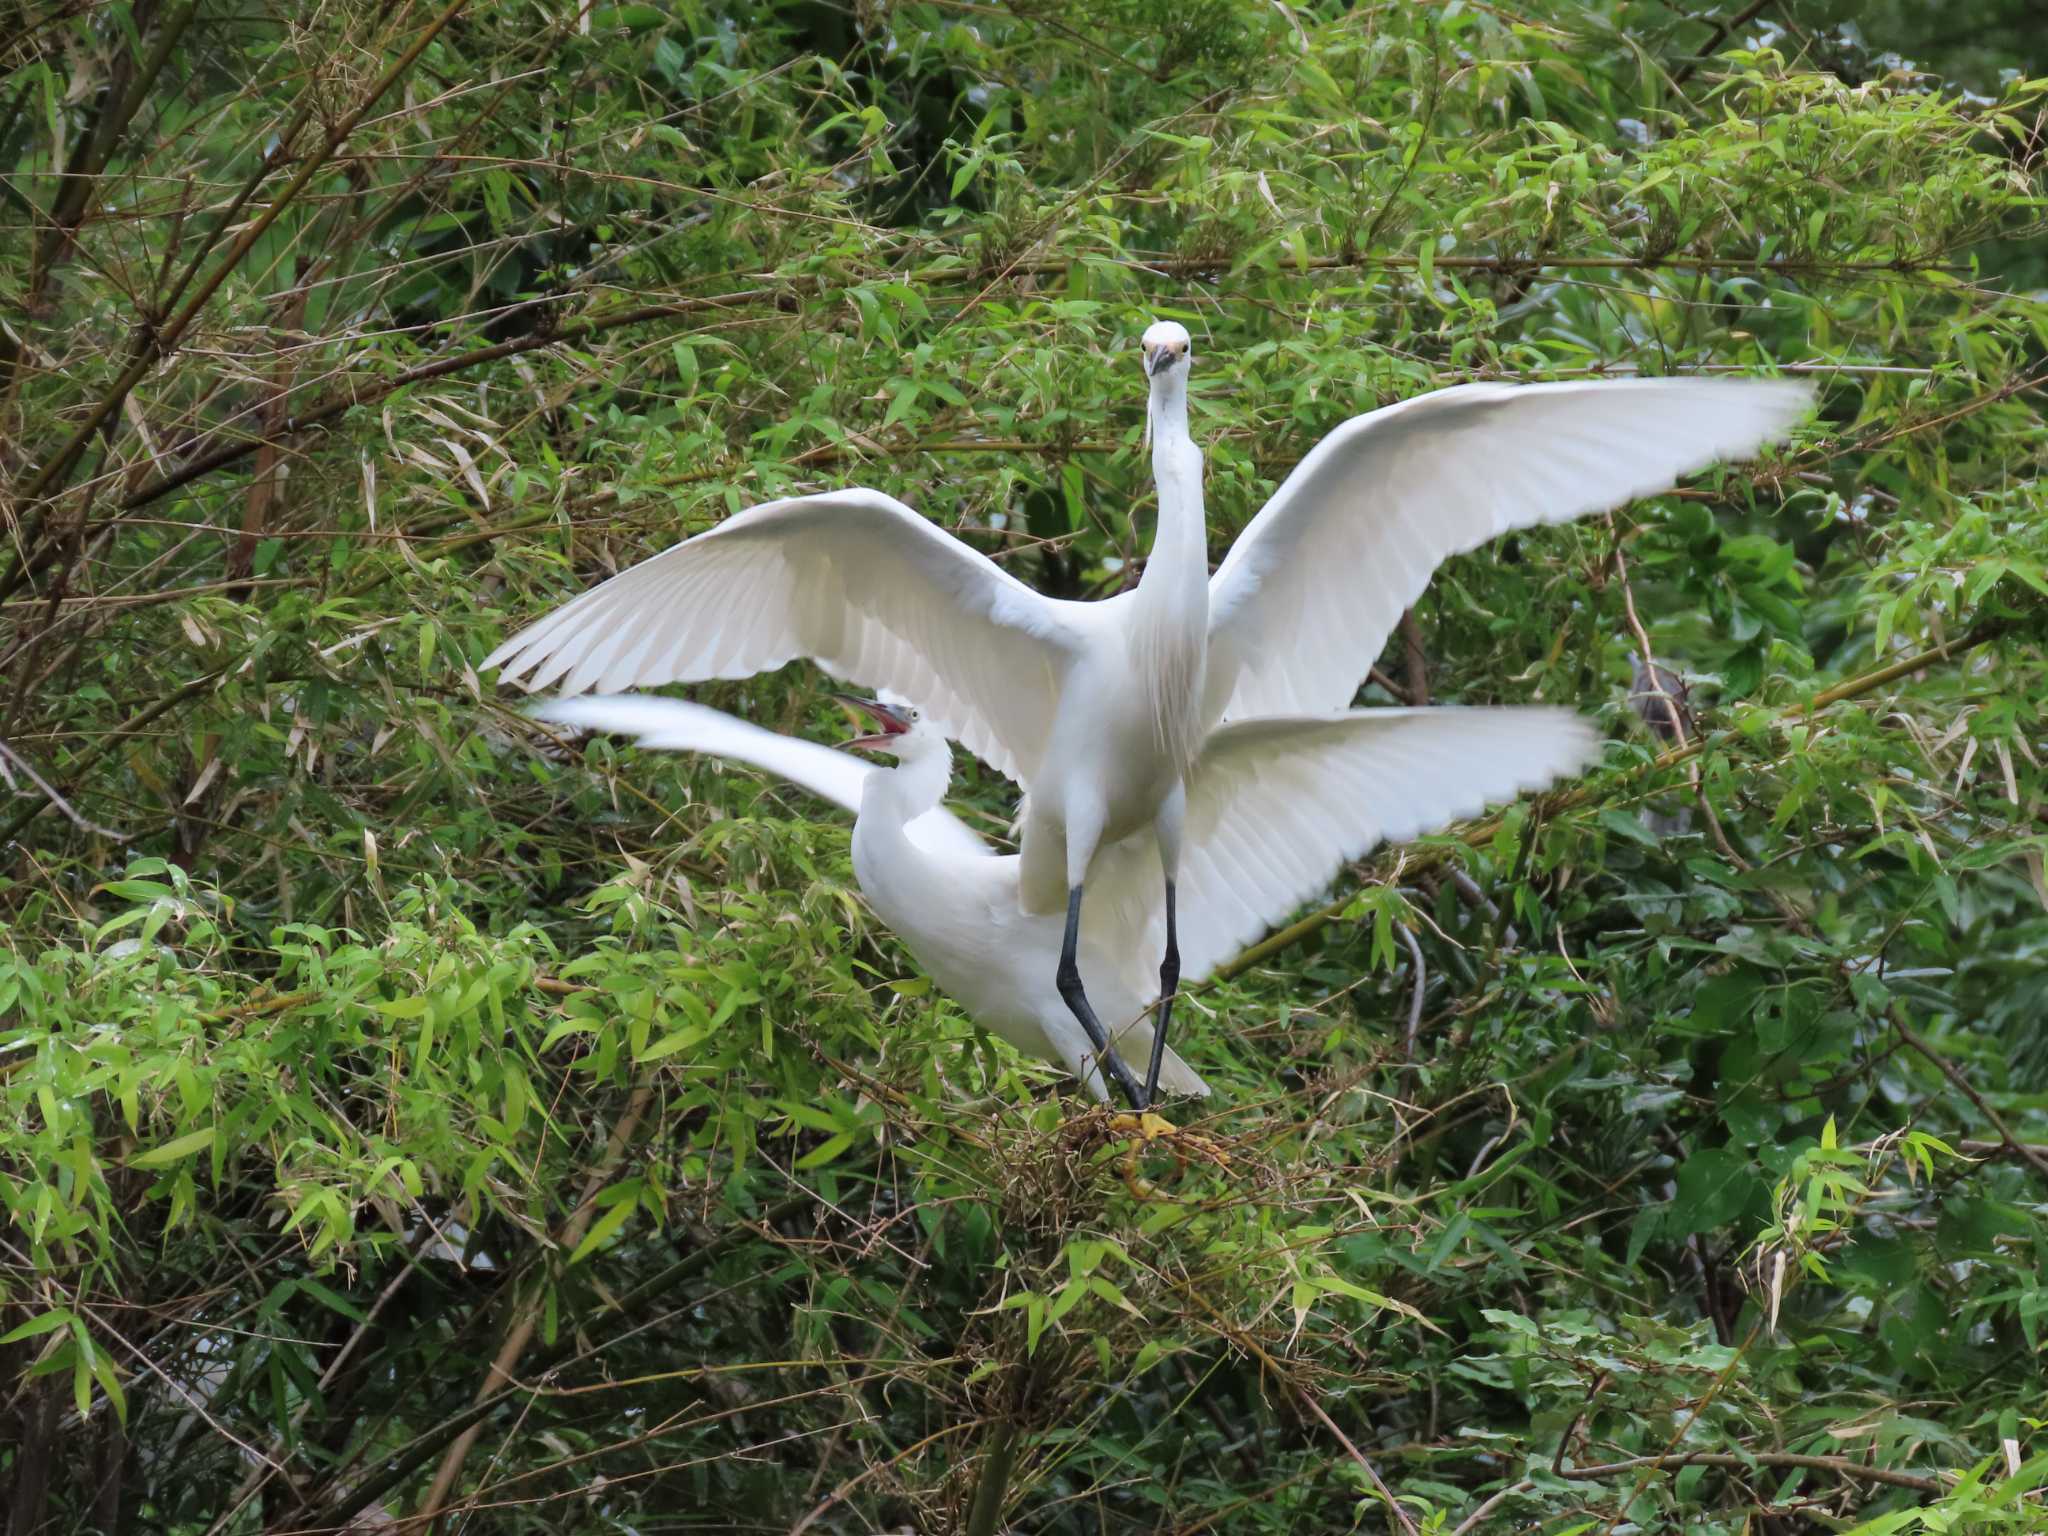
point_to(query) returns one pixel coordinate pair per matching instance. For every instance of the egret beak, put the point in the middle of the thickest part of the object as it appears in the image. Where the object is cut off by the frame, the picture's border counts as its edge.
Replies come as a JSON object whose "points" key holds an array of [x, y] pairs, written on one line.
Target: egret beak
{"points": [[1158, 359], [892, 724]]}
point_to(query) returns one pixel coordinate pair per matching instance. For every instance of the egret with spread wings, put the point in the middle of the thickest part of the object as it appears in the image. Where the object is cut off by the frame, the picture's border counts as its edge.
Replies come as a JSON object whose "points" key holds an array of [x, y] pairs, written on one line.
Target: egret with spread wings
{"points": [[1098, 708]]}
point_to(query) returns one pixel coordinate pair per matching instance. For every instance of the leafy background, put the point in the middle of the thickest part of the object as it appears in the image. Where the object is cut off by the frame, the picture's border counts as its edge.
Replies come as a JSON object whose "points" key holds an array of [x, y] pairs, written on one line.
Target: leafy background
{"points": [[409, 1117]]}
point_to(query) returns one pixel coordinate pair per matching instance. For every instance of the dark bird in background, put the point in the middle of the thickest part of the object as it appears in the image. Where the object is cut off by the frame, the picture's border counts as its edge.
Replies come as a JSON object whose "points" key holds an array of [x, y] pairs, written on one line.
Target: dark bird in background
{"points": [[1658, 695]]}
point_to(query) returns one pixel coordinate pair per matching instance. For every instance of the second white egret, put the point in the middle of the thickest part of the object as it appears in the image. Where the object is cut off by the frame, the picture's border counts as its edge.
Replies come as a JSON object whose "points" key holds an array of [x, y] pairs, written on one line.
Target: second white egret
{"points": [[1274, 808]]}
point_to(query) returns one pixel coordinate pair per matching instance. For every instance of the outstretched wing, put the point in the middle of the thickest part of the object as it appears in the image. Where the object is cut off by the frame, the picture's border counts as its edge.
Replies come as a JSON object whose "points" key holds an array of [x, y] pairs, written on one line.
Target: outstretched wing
{"points": [[1277, 806], [671, 725], [1304, 602], [852, 579]]}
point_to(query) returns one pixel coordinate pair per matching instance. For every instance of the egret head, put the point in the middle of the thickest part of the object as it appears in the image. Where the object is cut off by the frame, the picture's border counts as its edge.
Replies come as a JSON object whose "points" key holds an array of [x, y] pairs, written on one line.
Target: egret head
{"points": [[1166, 347], [896, 723]]}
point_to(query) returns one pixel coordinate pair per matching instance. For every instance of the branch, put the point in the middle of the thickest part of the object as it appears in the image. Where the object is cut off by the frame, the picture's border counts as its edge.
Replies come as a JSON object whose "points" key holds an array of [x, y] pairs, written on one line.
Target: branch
{"points": [[135, 722], [1396, 1515], [1840, 1465], [838, 1495], [1471, 1521], [9, 755], [158, 342], [369, 394], [1415, 1000], [1955, 1075], [280, 1445], [328, 410], [1741, 18], [1414, 661], [219, 675], [78, 184]]}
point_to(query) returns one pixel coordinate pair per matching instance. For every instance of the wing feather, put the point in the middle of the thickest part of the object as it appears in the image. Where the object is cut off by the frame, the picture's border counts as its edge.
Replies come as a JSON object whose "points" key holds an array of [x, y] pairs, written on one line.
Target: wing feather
{"points": [[673, 725], [1303, 604], [852, 579], [1277, 806]]}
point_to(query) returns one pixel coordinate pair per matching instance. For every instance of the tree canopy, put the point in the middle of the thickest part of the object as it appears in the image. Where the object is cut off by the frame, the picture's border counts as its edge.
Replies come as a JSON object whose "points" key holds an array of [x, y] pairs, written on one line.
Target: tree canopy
{"points": [[408, 1113]]}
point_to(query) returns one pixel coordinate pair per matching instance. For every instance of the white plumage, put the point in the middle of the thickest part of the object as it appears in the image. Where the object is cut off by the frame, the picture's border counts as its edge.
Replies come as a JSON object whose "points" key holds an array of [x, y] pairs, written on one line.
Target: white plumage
{"points": [[1302, 605], [1097, 709], [1275, 807]]}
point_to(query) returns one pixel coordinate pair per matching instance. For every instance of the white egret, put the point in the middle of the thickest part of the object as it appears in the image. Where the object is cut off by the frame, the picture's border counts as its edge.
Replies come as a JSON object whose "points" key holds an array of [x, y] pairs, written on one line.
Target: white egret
{"points": [[1097, 708], [1274, 808]]}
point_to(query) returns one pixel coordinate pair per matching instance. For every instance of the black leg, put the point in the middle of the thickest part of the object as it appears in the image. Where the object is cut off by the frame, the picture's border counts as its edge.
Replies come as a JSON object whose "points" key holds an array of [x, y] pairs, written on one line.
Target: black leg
{"points": [[1077, 1002], [1169, 982]]}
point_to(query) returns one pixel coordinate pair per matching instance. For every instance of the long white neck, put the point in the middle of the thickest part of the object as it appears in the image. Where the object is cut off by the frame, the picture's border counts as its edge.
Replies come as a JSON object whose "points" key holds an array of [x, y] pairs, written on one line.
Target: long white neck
{"points": [[1179, 565], [892, 798], [1169, 633]]}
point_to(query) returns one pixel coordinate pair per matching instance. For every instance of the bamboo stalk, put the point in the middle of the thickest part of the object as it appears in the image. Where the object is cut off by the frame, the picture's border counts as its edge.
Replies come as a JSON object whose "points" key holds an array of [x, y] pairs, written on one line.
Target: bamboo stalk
{"points": [[525, 1318], [999, 1461]]}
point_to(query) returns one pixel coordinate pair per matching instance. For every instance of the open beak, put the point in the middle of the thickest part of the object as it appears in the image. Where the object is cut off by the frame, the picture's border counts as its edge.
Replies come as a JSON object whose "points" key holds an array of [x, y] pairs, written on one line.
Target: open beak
{"points": [[892, 724]]}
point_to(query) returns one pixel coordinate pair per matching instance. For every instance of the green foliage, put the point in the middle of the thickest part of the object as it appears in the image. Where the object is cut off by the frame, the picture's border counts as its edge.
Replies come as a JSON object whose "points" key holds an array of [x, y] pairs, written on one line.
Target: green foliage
{"points": [[354, 1036]]}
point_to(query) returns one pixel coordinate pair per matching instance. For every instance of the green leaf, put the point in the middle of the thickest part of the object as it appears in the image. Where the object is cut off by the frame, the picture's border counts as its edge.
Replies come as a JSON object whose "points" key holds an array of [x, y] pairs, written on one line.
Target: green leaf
{"points": [[110, 1383], [1715, 1185], [1629, 826], [172, 1151], [603, 1229], [668, 1045], [47, 1322], [826, 1151]]}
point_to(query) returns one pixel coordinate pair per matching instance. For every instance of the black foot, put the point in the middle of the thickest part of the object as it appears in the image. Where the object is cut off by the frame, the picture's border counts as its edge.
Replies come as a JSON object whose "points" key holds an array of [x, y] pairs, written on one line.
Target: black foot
{"points": [[1077, 1003]]}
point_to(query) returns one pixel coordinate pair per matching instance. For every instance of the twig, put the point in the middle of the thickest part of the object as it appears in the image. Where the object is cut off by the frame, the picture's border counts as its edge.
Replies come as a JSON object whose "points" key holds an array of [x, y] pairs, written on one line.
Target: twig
{"points": [[1398, 690], [403, 1463], [1396, 1515], [1473, 897], [70, 812], [1954, 1074], [159, 341], [2023, 1149], [1696, 1411], [1841, 1465], [105, 744], [789, 289], [838, 1495], [279, 1447], [1415, 998], [1395, 1512], [322, 412], [79, 184], [1472, 1520], [1564, 1441], [1741, 18], [1676, 717], [167, 336], [191, 1400]]}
